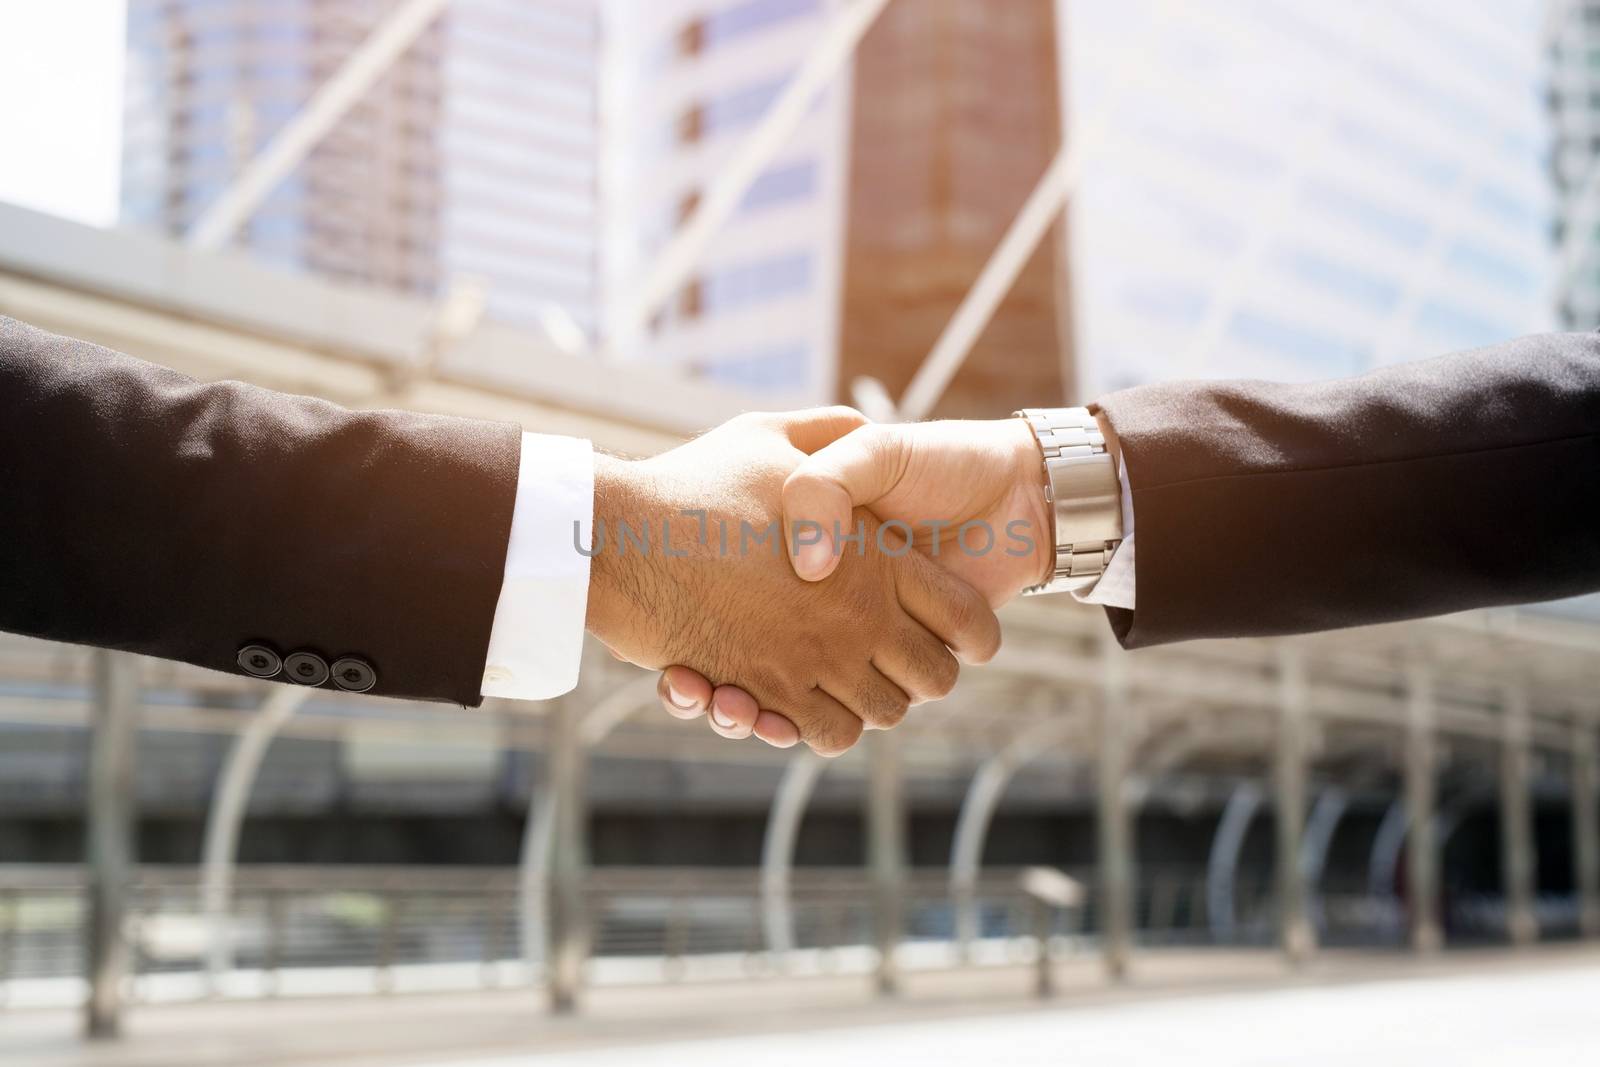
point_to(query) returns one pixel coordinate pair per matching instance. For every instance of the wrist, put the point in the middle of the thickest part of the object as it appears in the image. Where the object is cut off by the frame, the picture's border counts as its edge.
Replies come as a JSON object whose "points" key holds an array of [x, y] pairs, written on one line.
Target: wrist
{"points": [[1083, 494], [1031, 496], [618, 580]]}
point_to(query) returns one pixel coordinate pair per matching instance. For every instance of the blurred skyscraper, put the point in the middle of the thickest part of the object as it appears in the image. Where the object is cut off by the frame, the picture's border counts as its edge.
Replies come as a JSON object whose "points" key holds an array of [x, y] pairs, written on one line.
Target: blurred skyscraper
{"points": [[1575, 158], [694, 78], [854, 248], [956, 114], [1298, 189], [1284, 188], [473, 156]]}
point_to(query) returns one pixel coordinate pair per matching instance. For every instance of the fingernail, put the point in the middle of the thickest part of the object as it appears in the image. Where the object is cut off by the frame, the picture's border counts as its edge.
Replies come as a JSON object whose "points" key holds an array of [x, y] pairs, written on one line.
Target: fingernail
{"points": [[678, 699], [812, 559], [721, 719]]}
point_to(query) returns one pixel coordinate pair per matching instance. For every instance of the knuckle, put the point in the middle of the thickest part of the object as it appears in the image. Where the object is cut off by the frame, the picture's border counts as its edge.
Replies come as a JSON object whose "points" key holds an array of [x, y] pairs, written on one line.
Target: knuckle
{"points": [[881, 708], [962, 615], [989, 645], [940, 674], [836, 736], [975, 626]]}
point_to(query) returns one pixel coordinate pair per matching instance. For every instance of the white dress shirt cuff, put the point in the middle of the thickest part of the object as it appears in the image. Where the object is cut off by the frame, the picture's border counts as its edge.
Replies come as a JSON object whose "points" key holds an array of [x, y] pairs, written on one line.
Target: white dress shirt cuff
{"points": [[1114, 589], [537, 638]]}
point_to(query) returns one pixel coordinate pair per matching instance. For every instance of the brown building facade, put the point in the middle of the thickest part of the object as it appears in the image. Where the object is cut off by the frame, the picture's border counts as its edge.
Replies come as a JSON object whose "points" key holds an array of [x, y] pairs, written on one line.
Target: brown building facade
{"points": [[956, 114]]}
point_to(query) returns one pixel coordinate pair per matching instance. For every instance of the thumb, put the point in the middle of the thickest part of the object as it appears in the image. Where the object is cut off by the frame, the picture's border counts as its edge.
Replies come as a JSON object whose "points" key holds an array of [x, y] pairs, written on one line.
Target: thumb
{"points": [[855, 471], [812, 428]]}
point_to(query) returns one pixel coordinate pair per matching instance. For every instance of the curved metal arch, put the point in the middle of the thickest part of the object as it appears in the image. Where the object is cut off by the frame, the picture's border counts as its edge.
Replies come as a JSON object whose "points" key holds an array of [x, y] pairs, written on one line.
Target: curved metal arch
{"points": [[229, 802], [1223, 862], [1321, 825], [538, 829], [977, 813], [1383, 862], [789, 803], [1168, 752]]}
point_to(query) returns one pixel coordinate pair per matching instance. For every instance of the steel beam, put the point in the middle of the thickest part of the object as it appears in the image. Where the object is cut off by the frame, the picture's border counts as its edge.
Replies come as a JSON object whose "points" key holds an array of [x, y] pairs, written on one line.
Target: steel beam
{"points": [[1296, 936], [1421, 799], [112, 741], [1114, 820], [1518, 863], [229, 802], [886, 853], [1585, 825], [331, 102]]}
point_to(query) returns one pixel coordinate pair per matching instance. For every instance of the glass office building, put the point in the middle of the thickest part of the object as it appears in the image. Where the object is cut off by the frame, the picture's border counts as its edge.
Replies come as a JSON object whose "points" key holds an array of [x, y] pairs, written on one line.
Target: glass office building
{"points": [[694, 78], [473, 157], [1296, 189], [1575, 160]]}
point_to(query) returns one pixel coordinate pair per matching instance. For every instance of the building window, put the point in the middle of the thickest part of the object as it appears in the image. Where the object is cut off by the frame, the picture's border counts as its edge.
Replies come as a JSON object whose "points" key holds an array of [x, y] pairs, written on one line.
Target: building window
{"points": [[752, 16], [758, 282]]}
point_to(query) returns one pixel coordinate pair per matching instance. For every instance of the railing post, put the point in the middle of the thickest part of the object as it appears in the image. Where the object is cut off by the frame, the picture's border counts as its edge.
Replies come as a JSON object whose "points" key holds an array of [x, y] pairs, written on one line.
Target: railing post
{"points": [[10, 905], [1518, 864], [1585, 825], [277, 905], [1296, 936], [886, 853], [1422, 858], [1115, 831], [113, 735], [568, 933]]}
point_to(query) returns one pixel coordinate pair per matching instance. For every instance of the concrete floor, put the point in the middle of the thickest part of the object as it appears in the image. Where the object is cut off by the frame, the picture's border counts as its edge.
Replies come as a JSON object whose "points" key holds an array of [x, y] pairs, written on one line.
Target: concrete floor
{"points": [[1180, 1008]]}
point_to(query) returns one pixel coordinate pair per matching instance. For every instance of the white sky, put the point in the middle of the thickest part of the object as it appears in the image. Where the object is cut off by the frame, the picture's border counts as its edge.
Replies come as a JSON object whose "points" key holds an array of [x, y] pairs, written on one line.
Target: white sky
{"points": [[61, 65]]}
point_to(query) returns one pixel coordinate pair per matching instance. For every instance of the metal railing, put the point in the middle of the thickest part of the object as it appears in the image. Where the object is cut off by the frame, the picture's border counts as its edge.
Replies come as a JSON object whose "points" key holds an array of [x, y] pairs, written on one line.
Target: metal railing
{"points": [[326, 930]]}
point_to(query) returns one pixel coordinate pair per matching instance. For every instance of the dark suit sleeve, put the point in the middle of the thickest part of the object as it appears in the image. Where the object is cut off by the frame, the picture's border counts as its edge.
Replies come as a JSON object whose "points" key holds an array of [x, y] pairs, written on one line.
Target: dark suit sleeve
{"points": [[141, 510], [1467, 481]]}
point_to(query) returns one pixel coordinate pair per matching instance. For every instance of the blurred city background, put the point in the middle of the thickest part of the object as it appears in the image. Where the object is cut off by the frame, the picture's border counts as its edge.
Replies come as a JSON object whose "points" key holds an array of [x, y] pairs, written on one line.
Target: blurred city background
{"points": [[632, 219]]}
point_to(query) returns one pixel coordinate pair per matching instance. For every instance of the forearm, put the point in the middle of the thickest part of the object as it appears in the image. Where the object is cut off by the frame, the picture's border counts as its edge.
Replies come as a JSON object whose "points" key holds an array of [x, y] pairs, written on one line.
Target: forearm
{"points": [[1468, 481], [624, 581], [144, 511]]}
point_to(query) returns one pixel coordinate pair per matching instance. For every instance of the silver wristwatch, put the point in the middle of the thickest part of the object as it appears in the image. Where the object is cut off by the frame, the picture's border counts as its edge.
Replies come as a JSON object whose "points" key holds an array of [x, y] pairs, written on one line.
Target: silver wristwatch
{"points": [[1083, 493]]}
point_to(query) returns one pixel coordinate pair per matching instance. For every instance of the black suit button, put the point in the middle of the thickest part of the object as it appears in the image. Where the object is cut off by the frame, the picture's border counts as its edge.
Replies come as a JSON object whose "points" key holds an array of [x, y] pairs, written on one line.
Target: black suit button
{"points": [[354, 675], [304, 667], [259, 661]]}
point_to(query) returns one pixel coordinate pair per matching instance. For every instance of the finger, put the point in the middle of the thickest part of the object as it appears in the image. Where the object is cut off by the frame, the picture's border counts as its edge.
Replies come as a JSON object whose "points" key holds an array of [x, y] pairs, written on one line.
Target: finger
{"points": [[877, 701], [917, 662], [815, 428], [955, 612], [825, 724], [853, 471], [776, 730], [684, 693], [733, 712]]}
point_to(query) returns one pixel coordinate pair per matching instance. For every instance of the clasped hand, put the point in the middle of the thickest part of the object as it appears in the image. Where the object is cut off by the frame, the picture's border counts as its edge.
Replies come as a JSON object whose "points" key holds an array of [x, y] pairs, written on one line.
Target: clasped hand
{"points": [[849, 615], [691, 567]]}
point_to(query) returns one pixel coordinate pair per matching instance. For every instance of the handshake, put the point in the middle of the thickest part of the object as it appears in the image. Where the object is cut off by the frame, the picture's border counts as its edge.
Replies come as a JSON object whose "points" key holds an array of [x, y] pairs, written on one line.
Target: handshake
{"points": [[808, 576]]}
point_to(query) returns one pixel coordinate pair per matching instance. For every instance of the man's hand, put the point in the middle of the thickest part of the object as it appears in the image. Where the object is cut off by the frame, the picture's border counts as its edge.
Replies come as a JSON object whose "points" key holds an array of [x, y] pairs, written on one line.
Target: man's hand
{"points": [[690, 568], [972, 494]]}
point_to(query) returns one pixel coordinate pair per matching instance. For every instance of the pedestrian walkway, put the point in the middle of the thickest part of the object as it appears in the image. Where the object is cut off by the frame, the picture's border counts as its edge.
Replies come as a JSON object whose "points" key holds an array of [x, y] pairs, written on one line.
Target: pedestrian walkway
{"points": [[1190, 1008]]}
